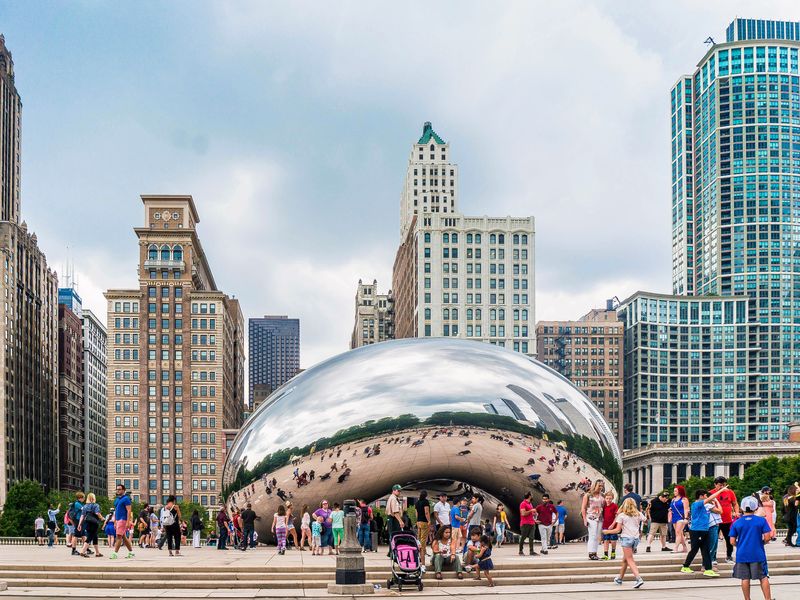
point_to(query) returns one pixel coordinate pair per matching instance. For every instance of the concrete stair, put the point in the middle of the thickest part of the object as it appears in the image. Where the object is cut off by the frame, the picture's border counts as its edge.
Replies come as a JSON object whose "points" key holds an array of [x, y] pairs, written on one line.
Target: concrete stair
{"points": [[102, 575]]}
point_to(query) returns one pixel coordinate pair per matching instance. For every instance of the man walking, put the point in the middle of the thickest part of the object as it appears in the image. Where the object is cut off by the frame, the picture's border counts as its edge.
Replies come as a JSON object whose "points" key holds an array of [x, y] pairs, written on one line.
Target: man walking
{"points": [[749, 534], [701, 523], [562, 521], [527, 522], [546, 515], [658, 512], [730, 509], [248, 517], [423, 509], [122, 520]]}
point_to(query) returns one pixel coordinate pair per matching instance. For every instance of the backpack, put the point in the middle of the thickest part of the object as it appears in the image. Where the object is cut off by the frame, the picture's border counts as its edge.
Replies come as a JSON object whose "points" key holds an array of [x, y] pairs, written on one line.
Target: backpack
{"points": [[167, 518], [74, 514]]}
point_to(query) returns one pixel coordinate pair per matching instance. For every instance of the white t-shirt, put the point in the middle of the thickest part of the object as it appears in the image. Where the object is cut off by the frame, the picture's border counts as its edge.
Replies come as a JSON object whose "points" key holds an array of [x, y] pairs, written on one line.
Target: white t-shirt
{"points": [[630, 525], [442, 510], [39, 523]]}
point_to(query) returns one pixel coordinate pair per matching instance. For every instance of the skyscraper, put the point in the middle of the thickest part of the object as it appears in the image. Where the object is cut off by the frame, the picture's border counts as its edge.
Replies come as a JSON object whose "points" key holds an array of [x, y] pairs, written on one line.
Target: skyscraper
{"points": [[274, 346], [95, 441], [176, 332], [736, 200], [28, 319], [71, 419], [374, 320], [459, 276]]}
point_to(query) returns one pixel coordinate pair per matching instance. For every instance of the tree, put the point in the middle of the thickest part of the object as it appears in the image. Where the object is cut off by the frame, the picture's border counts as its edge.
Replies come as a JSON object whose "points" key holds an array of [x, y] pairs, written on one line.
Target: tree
{"points": [[25, 501]]}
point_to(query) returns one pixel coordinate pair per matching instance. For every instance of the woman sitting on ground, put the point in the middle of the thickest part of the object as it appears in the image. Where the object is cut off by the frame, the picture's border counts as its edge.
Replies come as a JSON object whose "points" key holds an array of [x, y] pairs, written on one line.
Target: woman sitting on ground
{"points": [[442, 554]]}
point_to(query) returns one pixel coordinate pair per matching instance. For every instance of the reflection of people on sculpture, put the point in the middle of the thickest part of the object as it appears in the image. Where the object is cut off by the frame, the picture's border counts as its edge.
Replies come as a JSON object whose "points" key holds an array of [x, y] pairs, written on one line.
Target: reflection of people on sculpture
{"points": [[443, 554]]}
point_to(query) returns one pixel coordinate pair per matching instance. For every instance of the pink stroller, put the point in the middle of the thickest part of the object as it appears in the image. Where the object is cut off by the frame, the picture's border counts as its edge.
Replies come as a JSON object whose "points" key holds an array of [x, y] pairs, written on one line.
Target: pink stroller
{"points": [[406, 566]]}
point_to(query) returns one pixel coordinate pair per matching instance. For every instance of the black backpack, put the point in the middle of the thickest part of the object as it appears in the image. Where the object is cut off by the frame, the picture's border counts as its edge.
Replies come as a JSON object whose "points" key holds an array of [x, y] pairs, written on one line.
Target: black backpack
{"points": [[74, 513]]}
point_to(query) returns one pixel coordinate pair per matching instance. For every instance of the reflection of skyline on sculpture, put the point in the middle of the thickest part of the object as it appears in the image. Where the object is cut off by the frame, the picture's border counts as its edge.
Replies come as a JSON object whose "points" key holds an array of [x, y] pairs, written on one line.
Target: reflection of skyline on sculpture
{"points": [[419, 377]]}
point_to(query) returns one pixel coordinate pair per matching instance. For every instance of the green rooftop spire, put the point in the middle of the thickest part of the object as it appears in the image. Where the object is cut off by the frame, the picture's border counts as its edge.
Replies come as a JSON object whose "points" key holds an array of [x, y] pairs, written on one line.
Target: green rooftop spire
{"points": [[428, 133]]}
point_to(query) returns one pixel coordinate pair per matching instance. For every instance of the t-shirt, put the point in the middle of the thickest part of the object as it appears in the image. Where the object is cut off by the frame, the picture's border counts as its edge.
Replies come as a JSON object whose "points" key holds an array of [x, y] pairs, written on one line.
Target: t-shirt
{"points": [[316, 529], [659, 510], [547, 513], [90, 509], [474, 546], [748, 531], [337, 519], [39, 523], [700, 520], [562, 514], [477, 511], [630, 525], [442, 510], [121, 508], [393, 507], [609, 514], [248, 517], [726, 500], [325, 514], [420, 508], [636, 498], [526, 519], [456, 512], [143, 514]]}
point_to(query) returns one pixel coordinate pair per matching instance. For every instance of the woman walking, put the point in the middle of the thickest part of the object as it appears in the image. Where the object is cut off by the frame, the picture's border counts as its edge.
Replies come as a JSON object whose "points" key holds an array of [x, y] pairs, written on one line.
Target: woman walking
{"points": [[90, 521], [679, 517], [305, 528], [627, 524], [197, 528], [499, 524], [279, 528], [592, 513], [171, 522]]}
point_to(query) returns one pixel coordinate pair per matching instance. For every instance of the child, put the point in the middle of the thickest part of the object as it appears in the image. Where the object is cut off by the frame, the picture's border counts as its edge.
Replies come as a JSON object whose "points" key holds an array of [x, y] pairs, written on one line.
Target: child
{"points": [[749, 533], [609, 514], [628, 522], [484, 559], [316, 536], [473, 549]]}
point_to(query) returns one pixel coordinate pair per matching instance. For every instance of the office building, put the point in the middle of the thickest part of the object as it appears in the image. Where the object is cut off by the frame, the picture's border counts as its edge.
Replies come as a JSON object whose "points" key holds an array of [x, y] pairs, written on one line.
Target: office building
{"points": [[735, 183], [95, 441], [175, 362], [588, 352], [274, 346], [28, 319], [374, 320], [454, 275], [70, 400]]}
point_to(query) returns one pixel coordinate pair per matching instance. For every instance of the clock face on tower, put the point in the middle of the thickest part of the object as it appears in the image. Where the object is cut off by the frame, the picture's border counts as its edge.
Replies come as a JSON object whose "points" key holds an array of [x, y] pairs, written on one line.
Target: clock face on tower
{"points": [[165, 215]]}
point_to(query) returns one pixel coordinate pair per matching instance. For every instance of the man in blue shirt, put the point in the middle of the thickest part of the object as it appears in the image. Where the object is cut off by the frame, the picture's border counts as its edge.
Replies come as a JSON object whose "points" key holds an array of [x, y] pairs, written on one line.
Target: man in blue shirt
{"points": [[749, 534], [458, 519], [122, 520], [562, 519], [701, 523]]}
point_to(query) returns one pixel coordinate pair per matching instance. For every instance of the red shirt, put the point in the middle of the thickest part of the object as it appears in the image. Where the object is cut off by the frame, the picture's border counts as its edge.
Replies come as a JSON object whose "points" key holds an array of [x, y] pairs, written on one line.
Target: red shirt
{"points": [[726, 500], [547, 513], [529, 518], [609, 514]]}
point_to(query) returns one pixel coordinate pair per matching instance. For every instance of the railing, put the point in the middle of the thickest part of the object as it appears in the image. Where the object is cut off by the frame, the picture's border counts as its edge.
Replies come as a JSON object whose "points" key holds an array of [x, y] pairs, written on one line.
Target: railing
{"points": [[163, 264]]}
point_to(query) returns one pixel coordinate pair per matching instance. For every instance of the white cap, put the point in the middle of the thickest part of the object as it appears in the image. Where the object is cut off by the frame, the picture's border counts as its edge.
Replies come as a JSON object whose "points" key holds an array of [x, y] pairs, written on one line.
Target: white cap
{"points": [[750, 503]]}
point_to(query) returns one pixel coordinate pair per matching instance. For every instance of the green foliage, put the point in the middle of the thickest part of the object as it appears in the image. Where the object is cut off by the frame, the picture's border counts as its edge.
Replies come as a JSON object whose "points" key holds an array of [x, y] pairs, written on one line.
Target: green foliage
{"points": [[25, 501]]}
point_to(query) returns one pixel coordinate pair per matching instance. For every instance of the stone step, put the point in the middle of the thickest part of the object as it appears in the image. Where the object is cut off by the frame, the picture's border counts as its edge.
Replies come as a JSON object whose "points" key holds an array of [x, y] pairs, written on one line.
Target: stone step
{"points": [[448, 581]]}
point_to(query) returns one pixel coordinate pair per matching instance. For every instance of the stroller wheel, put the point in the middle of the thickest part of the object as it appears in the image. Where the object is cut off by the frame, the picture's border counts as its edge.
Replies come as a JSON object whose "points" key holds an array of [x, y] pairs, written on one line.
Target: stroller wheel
{"points": [[399, 587], [388, 584], [420, 586]]}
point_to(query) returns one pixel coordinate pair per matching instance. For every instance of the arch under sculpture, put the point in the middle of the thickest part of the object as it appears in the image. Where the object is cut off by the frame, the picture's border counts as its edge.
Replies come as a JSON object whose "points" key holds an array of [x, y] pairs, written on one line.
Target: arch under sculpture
{"points": [[439, 413]]}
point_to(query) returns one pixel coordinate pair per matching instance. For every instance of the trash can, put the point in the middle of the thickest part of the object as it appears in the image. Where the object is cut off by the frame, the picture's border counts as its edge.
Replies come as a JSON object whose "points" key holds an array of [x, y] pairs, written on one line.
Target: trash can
{"points": [[374, 539]]}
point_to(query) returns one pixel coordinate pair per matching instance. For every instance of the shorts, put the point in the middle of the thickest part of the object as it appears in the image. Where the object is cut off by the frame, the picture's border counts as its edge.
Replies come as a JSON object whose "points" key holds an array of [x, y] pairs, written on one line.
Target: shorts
{"points": [[629, 542], [610, 537], [40, 533], [560, 528], [121, 527], [316, 541], [659, 528], [753, 570], [69, 529]]}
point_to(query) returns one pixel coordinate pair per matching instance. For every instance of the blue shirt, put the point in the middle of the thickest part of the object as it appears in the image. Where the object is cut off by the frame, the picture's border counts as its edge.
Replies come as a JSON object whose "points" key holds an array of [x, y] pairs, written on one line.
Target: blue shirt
{"points": [[636, 498], [700, 520], [51, 514], [562, 514], [749, 531], [120, 507], [456, 511]]}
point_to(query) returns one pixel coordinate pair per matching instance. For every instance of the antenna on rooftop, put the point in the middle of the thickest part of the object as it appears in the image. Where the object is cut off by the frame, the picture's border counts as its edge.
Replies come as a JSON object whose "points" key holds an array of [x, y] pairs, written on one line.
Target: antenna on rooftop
{"points": [[709, 41]]}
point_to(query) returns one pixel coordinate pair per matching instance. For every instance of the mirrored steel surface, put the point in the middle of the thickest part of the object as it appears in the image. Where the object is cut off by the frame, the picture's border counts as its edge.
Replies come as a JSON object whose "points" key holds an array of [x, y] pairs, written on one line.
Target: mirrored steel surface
{"points": [[421, 410]]}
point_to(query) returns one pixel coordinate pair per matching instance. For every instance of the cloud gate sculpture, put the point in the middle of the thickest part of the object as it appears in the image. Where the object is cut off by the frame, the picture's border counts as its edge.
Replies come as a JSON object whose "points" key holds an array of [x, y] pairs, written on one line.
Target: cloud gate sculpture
{"points": [[436, 414]]}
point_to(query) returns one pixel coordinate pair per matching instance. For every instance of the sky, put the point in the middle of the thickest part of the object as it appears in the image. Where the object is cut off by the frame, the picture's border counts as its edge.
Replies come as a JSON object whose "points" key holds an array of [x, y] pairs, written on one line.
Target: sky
{"points": [[291, 123]]}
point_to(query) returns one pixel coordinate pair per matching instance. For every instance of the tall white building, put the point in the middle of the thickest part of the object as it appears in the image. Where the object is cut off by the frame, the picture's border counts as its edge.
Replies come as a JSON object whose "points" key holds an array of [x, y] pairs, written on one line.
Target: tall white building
{"points": [[374, 320], [459, 276], [94, 402]]}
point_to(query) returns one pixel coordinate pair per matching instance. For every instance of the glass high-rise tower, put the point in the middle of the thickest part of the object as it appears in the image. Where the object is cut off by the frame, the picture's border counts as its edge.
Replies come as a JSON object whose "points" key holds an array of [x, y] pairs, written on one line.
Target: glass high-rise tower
{"points": [[736, 202]]}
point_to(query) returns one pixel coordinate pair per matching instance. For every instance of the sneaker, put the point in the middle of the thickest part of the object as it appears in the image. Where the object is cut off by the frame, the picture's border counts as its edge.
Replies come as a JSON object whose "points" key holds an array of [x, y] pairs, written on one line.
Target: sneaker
{"points": [[604, 557], [665, 549], [710, 573], [618, 580], [647, 549], [613, 555], [729, 561], [534, 554], [544, 551], [638, 583], [686, 570], [130, 555], [714, 563], [113, 556]]}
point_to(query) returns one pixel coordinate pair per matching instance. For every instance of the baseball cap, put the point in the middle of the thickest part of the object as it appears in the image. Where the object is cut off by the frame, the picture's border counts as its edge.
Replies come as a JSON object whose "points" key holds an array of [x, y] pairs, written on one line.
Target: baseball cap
{"points": [[766, 489], [396, 487], [749, 503], [663, 493]]}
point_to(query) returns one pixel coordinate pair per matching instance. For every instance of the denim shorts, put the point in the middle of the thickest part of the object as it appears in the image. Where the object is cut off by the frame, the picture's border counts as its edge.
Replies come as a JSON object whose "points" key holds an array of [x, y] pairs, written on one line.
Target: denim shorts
{"points": [[629, 542], [610, 537]]}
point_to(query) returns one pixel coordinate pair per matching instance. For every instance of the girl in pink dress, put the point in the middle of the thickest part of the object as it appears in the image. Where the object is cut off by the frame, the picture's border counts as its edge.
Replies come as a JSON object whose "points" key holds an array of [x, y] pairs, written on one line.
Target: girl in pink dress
{"points": [[768, 504]]}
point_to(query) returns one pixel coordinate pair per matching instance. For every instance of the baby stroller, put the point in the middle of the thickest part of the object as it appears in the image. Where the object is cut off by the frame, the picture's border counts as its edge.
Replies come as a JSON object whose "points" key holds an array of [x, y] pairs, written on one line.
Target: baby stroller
{"points": [[406, 567]]}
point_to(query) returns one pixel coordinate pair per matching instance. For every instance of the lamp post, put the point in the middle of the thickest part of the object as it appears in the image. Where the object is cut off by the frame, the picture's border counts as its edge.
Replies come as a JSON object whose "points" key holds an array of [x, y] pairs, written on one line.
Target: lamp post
{"points": [[351, 577]]}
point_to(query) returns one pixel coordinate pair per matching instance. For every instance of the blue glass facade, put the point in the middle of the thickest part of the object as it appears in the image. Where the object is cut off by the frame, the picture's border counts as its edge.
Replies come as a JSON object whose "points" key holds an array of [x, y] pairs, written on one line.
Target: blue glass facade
{"points": [[274, 344], [736, 199]]}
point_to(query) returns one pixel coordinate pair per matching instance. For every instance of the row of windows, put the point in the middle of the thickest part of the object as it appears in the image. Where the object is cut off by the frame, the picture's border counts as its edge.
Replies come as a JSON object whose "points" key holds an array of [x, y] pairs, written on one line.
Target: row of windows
{"points": [[126, 375], [126, 322], [166, 253], [499, 238], [126, 307], [451, 330], [477, 314], [448, 298]]}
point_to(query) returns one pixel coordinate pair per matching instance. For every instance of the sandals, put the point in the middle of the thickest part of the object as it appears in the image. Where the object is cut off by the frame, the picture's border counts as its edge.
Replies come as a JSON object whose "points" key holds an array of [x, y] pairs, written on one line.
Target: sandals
{"points": [[460, 575], [98, 555], [439, 576]]}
